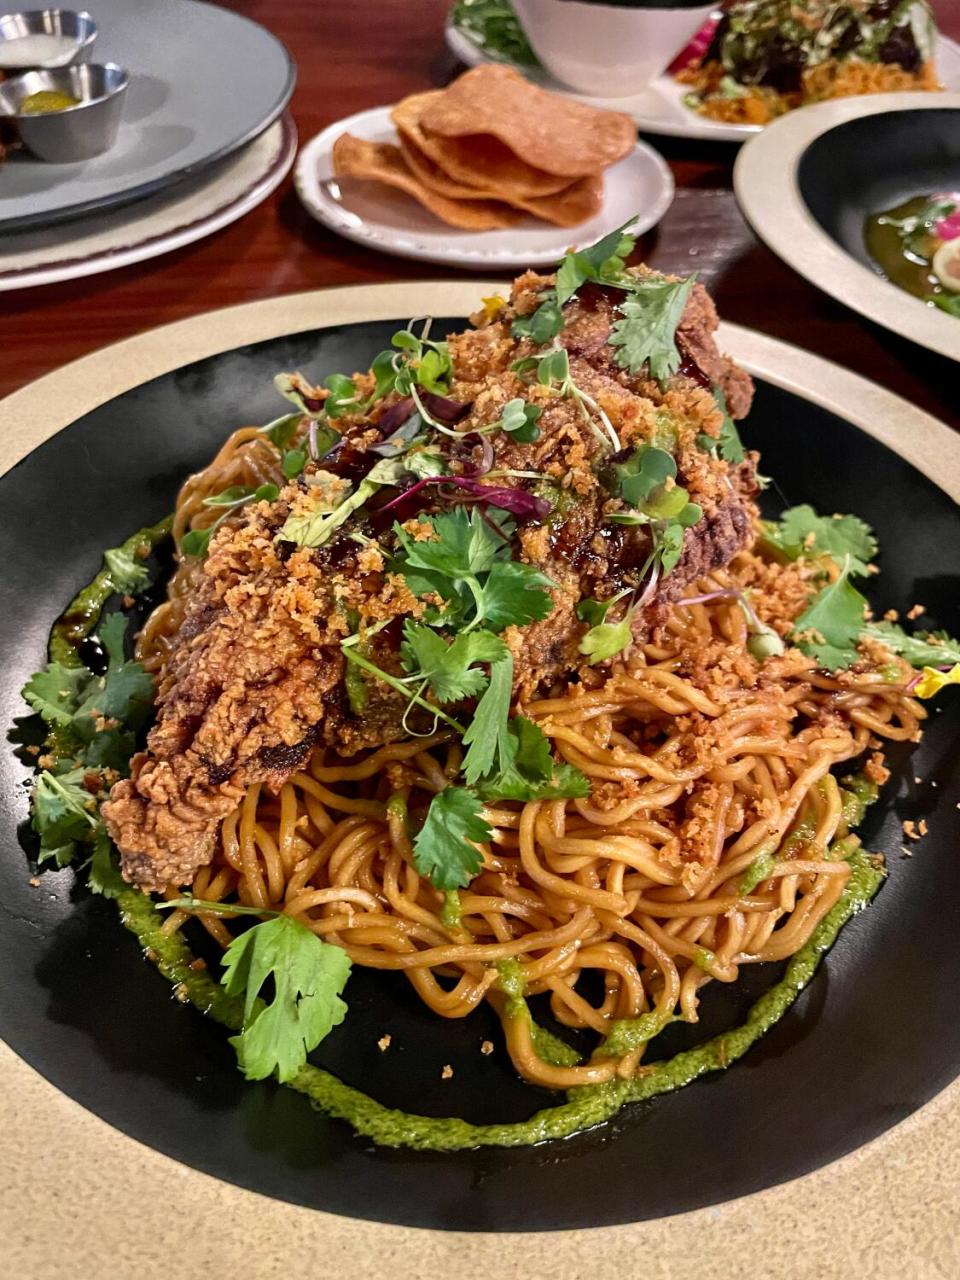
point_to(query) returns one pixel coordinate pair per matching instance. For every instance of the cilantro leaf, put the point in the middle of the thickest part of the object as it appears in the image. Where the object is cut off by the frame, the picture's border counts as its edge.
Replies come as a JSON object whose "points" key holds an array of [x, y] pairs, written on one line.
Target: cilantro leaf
{"points": [[514, 594], [602, 262], [104, 875], [441, 851], [606, 639], [125, 693], [948, 302], [835, 615], [463, 546], [922, 649], [63, 814], [127, 574], [449, 667], [800, 531], [541, 325], [308, 977], [54, 692], [728, 444], [646, 332], [490, 745], [533, 774]]}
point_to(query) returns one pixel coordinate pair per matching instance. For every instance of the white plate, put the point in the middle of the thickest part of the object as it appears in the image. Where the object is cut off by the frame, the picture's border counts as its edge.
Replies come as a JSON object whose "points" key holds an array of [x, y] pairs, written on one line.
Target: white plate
{"points": [[765, 181], [196, 207], [393, 222], [659, 108]]}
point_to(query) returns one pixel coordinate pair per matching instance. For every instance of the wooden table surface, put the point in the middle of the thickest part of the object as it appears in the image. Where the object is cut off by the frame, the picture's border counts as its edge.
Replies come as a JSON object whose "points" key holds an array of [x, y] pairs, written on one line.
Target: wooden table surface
{"points": [[371, 52]]}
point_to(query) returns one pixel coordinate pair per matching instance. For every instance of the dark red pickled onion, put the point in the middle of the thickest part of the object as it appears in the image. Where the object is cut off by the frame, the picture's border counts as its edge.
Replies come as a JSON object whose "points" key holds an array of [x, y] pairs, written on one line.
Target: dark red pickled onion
{"points": [[394, 417], [443, 409]]}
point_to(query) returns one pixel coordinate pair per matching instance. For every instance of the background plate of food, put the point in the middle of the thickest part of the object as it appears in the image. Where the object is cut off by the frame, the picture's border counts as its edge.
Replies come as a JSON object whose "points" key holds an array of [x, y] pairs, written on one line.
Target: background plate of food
{"points": [[756, 61], [491, 172], [656, 851], [861, 198]]}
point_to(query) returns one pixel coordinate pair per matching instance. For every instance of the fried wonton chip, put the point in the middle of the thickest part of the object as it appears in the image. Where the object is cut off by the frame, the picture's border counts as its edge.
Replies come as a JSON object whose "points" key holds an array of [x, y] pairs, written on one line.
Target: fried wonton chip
{"points": [[480, 161], [383, 162], [546, 130], [574, 204]]}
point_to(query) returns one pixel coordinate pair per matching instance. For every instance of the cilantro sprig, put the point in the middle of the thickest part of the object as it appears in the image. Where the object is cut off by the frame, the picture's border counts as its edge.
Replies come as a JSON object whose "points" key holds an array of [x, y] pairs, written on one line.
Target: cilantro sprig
{"points": [[91, 722], [307, 976], [601, 263], [454, 652], [922, 649], [727, 445], [801, 532], [828, 629], [644, 334]]}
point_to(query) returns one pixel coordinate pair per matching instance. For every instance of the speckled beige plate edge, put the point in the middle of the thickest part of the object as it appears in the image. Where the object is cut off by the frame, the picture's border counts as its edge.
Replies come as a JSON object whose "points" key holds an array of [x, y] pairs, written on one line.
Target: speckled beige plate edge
{"points": [[78, 1198]]}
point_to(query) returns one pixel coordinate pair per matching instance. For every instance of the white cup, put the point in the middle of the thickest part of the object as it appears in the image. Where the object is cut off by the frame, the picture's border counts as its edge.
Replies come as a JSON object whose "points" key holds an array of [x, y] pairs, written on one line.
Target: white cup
{"points": [[609, 51]]}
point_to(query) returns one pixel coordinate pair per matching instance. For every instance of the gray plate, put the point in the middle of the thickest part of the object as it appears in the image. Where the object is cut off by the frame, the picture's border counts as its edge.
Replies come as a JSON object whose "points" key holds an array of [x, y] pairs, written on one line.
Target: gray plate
{"points": [[202, 83]]}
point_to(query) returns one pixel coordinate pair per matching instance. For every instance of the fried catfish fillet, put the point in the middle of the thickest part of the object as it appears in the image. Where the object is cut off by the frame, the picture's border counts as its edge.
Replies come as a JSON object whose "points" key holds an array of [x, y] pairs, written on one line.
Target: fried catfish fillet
{"points": [[255, 675]]}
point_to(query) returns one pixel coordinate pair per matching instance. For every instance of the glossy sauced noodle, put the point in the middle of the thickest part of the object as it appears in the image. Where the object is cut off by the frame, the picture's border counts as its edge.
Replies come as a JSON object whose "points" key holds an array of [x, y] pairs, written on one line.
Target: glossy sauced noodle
{"points": [[695, 777]]}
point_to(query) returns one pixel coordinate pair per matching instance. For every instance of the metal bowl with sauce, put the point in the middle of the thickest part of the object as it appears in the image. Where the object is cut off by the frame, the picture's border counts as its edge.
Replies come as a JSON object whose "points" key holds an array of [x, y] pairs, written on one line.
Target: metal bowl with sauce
{"points": [[69, 114], [45, 38]]}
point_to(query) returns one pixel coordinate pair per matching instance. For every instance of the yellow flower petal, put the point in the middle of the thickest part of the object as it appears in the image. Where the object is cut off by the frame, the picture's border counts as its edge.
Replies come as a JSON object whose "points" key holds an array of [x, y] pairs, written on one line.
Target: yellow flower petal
{"points": [[493, 306], [932, 681]]}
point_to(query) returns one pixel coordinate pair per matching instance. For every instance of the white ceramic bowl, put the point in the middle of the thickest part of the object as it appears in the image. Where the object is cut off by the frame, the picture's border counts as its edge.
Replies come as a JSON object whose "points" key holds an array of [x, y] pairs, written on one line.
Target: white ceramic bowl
{"points": [[612, 51]]}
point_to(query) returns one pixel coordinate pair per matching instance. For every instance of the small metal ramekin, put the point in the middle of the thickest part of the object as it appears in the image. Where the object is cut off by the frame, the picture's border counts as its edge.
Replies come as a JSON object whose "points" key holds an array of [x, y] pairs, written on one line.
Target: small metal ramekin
{"points": [[75, 133], [79, 28]]}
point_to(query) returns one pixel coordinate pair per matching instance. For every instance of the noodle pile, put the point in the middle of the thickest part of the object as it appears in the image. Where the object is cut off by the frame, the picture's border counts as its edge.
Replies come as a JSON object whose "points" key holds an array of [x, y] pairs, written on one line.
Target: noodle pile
{"points": [[715, 835]]}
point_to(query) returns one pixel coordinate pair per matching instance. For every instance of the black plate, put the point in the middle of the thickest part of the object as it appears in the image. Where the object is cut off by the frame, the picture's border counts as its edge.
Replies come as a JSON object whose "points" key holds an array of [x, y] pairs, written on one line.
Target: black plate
{"points": [[874, 163], [873, 1037]]}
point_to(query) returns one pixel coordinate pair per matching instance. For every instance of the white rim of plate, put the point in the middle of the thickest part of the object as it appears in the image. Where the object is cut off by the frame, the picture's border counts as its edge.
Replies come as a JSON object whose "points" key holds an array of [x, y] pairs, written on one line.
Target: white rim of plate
{"points": [[166, 208], [461, 248], [765, 182], [462, 46]]}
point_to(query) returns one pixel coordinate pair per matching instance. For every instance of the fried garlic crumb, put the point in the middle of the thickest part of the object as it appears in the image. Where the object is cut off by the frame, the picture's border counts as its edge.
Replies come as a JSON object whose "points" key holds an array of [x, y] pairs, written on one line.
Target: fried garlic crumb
{"points": [[447, 1072], [486, 1048], [383, 1044], [911, 832], [915, 612], [34, 882]]}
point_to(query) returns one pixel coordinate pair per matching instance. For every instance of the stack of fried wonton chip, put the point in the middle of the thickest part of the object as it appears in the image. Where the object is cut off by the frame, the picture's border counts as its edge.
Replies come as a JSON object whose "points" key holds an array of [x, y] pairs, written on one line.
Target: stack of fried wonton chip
{"points": [[492, 149]]}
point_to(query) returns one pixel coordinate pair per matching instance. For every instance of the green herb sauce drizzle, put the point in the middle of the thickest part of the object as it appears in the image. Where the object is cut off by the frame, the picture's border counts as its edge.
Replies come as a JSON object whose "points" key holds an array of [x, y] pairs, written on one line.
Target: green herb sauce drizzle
{"points": [[83, 612], [586, 1107]]}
